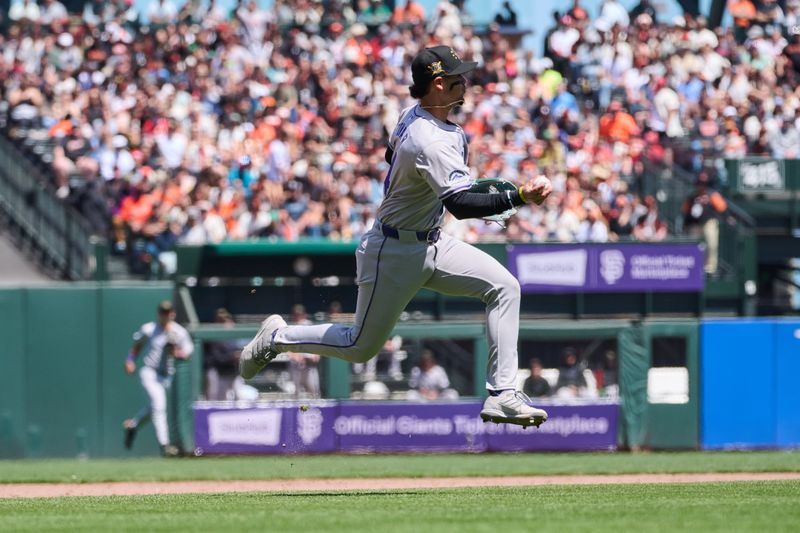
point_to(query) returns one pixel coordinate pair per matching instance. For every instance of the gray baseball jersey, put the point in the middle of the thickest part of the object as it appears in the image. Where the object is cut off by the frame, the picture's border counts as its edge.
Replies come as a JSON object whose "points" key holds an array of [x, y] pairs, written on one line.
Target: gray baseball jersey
{"points": [[153, 340], [429, 156], [428, 164]]}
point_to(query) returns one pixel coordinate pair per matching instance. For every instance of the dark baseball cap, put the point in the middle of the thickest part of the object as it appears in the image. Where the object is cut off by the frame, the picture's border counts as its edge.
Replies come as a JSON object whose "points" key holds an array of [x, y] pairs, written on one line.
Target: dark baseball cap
{"points": [[438, 61]]}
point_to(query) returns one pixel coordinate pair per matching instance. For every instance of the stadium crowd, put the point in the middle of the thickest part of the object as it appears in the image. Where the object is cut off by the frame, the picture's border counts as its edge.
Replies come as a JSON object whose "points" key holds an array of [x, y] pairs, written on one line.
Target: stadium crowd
{"points": [[204, 125]]}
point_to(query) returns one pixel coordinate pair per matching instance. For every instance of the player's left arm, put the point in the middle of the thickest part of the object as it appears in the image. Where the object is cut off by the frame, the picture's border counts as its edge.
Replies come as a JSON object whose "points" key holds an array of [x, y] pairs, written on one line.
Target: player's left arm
{"points": [[185, 346], [444, 168], [467, 204]]}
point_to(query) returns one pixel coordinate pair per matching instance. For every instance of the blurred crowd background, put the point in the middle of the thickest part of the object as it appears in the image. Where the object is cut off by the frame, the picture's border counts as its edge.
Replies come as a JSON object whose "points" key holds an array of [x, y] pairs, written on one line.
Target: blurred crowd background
{"points": [[208, 124]]}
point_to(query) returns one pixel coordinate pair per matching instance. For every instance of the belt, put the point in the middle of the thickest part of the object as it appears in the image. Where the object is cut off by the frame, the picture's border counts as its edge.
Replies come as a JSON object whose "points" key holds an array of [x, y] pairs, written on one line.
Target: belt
{"points": [[430, 236]]}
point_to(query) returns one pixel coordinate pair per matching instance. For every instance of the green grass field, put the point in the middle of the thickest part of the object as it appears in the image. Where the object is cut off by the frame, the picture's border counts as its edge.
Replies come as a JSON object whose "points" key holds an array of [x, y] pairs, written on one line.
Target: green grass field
{"points": [[373, 466], [742, 506], [733, 506]]}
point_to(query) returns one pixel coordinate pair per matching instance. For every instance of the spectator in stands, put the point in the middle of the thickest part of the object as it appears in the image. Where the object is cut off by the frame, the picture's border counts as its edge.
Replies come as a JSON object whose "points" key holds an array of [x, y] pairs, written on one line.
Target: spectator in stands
{"points": [[24, 10], [744, 15], [785, 141], [391, 355], [644, 7], [373, 13], [617, 124], [571, 382], [649, 227], [53, 12], [410, 14], [292, 107], [594, 228], [606, 375], [700, 211], [561, 44], [335, 313], [621, 218], [506, 16], [578, 12], [303, 367], [535, 385], [614, 14], [221, 361], [429, 381]]}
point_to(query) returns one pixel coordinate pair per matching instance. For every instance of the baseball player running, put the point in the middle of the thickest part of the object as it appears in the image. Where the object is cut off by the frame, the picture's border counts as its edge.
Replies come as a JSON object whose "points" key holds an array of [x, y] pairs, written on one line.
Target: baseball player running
{"points": [[160, 342], [405, 250]]}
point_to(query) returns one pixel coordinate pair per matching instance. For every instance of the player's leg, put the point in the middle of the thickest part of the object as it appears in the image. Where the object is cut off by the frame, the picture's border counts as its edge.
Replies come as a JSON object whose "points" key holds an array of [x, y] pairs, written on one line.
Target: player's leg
{"points": [[390, 273], [131, 425], [463, 270], [160, 422], [158, 403], [141, 417]]}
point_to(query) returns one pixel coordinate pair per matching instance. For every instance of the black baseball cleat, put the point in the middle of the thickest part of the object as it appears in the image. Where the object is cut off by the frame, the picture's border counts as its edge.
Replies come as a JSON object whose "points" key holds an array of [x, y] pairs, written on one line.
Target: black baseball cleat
{"points": [[130, 433], [170, 451]]}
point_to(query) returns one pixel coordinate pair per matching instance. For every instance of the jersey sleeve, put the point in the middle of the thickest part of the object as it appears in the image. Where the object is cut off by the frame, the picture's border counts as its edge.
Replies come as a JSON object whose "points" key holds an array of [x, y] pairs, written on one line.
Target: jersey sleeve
{"points": [[186, 342], [443, 168], [143, 333]]}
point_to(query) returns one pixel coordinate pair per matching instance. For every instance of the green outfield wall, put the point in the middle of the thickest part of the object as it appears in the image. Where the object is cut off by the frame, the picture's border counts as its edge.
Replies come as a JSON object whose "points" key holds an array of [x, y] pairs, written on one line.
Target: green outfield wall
{"points": [[63, 390]]}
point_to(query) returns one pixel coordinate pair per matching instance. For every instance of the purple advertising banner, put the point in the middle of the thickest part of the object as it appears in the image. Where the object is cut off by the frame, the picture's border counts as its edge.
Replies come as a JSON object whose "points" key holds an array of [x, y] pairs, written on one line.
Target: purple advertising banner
{"points": [[394, 427], [399, 427], [264, 428], [608, 267], [568, 428]]}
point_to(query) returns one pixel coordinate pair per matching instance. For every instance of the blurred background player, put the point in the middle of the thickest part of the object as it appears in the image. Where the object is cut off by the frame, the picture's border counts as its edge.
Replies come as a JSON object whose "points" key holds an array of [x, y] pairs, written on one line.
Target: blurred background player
{"points": [[160, 342]]}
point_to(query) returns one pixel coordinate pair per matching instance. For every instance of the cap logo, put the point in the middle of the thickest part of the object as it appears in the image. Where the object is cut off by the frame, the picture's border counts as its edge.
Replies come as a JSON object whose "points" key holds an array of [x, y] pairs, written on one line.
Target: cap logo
{"points": [[436, 68]]}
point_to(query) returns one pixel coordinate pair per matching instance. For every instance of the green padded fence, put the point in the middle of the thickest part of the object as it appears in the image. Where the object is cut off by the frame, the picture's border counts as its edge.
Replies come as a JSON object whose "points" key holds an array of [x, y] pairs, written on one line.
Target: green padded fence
{"points": [[63, 390]]}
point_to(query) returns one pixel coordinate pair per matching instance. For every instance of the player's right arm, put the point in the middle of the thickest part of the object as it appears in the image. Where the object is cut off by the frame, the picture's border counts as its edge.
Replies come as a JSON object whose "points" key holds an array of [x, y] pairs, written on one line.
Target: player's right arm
{"points": [[130, 360]]}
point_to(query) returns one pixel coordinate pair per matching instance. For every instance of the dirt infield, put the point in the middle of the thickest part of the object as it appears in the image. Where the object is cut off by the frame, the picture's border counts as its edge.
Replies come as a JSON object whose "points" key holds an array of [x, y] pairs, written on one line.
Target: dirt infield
{"points": [[49, 490]]}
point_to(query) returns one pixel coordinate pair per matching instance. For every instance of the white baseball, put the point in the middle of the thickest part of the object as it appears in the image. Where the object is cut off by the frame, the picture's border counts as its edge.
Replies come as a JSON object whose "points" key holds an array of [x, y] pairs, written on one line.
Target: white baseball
{"points": [[543, 187], [541, 181]]}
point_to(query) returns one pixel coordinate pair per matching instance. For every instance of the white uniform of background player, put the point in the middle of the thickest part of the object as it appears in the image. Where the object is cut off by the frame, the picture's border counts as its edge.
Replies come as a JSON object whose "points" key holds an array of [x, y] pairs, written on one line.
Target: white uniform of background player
{"points": [[159, 342], [405, 251]]}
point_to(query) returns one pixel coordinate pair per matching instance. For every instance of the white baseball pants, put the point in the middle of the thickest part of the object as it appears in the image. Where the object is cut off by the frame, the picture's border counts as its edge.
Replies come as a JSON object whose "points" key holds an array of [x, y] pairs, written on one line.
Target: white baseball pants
{"points": [[389, 274], [156, 387]]}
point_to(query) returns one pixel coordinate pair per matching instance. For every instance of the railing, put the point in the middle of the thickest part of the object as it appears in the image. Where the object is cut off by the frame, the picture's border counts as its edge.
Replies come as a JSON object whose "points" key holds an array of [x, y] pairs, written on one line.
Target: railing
{"points": [[60, 234], [671, 184]]}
